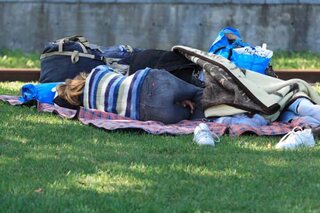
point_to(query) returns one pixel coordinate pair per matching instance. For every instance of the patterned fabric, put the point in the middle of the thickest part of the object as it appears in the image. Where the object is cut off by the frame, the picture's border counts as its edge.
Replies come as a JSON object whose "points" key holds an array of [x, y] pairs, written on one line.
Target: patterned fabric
{"points": [[12, 100], [230, 86], [108, 91], [111, 121]]}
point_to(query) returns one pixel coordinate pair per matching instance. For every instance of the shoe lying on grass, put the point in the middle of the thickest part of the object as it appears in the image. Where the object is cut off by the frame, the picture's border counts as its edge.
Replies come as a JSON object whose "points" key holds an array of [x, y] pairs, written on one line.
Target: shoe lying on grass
{"points": [[296, 138], [203, 135]]}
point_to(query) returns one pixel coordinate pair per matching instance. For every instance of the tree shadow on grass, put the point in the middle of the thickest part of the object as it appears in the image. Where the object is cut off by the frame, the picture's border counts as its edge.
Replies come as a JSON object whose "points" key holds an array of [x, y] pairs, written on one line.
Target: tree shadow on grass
{"points": [[121, 184], [52, 164]]}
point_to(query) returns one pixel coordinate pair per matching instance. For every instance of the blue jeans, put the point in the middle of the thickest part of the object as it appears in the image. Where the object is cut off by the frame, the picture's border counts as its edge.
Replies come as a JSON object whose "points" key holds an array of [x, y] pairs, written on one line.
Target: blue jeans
{"points": [[255, 121], [302, 108], [160, 94]]}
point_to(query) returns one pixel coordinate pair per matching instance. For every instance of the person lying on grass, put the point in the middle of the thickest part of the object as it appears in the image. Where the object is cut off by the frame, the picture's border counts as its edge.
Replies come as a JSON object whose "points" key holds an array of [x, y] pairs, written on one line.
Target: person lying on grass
{"points": [[148, 94], [159, 96]]}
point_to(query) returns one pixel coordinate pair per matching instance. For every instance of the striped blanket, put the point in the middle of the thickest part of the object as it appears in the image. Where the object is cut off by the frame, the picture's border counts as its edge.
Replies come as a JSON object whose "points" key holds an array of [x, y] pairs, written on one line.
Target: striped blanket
{"points": [[108, 91], [111, 121]]}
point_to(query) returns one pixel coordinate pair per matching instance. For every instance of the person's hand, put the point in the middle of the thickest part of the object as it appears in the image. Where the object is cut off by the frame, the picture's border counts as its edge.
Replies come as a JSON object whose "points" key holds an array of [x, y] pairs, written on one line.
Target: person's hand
{"points": [[316, 131], [188, 103]]}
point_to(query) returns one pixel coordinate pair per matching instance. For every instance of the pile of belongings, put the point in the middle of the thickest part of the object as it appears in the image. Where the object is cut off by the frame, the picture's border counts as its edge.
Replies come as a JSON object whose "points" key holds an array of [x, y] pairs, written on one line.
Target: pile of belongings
{"points": [[230, 45]]}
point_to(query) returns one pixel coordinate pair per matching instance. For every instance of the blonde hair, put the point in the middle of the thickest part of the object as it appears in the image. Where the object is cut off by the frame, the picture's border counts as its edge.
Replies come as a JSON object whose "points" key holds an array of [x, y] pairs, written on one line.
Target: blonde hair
{"points": [[72, 89]]}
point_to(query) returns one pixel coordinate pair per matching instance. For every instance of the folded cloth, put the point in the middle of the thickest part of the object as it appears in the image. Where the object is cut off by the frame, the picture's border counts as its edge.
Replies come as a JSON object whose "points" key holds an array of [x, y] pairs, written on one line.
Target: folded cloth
{"points": [[44, 93]]}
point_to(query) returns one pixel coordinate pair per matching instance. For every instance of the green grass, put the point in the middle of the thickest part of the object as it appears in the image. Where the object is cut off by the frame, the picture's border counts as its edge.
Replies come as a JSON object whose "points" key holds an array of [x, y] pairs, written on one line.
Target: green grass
{"points": [[49, 164], [18, 59], [295, 60], [280, 60]]}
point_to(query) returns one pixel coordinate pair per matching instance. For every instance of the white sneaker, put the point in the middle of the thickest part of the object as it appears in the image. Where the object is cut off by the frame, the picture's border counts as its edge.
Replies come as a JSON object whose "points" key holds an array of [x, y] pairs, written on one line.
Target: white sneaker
{"points": [[297, 137], [203, 135]]}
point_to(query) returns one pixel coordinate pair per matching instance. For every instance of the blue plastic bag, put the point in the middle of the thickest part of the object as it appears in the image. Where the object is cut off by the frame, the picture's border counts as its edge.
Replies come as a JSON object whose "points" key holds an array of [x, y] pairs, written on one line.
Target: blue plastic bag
{"points": [[252, 58], [228, 39], [44, 93], [228, 43]]}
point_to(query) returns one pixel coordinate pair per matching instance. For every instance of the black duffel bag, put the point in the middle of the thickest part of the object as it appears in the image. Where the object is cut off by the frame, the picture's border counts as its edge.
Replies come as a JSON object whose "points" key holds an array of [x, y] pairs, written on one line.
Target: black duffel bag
{"points": [[67, 57]]}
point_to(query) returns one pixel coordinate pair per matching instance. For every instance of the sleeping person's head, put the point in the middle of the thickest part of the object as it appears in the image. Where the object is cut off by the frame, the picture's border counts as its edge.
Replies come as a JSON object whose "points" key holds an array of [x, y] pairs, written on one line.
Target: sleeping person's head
{"points": [[72, 89]]}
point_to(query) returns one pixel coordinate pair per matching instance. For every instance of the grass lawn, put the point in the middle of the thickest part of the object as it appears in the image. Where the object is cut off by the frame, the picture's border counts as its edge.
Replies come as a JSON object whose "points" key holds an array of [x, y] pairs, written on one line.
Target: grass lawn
{"points": [[296, 60], [18, 59], [49, 164], [280, 60]]}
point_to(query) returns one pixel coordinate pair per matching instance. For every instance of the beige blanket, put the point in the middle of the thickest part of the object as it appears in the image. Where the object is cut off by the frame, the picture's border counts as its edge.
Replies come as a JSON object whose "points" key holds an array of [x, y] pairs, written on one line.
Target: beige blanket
{"points": [[230, 90]]}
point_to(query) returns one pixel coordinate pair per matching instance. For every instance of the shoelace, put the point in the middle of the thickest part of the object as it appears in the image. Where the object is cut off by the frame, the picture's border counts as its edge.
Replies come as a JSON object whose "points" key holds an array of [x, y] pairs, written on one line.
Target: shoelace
{"points": [[292, 132], [215, 137]]}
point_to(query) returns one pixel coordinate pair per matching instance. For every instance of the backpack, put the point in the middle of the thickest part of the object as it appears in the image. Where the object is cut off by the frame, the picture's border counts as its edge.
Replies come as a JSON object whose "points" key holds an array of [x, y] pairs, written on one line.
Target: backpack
{"points": [[67, 57]]}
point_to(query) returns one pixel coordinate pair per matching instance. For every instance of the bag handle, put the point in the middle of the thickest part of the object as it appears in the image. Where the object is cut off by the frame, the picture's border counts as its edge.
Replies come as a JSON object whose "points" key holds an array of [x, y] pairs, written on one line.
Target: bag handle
{"points": [[235, 44], [224, 47], [82, 41], [74, 56]]}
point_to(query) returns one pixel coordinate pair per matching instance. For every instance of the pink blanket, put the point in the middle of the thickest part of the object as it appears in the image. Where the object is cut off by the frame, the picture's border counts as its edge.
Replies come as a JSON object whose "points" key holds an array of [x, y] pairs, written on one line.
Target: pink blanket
{"points": [[110, 121]]}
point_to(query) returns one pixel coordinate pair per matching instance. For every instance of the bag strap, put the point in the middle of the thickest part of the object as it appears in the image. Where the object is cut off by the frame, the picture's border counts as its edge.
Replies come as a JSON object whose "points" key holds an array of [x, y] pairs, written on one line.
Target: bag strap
{"points": [[81, 40], [74, 56], [224, 47], [235, 44], [76, 38]]}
